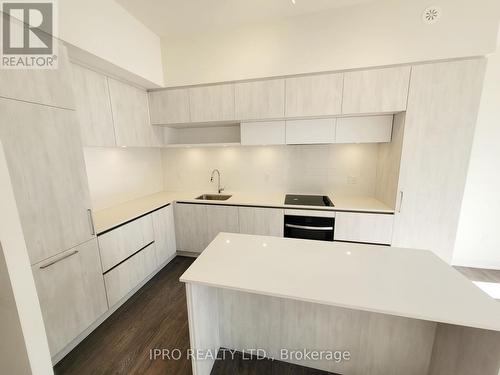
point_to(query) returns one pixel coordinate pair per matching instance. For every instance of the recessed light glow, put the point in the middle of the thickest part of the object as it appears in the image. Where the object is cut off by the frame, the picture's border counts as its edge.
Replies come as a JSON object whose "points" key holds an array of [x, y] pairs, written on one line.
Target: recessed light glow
{"points": [[264, 244], [348, 253], [123, 146], [228, 241], [293, 2]]}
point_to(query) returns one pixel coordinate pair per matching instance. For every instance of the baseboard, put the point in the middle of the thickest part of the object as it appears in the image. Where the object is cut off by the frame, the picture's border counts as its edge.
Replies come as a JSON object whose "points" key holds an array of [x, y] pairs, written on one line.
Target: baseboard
{"points": [[476, 263], [191, 254], [61, 354]]}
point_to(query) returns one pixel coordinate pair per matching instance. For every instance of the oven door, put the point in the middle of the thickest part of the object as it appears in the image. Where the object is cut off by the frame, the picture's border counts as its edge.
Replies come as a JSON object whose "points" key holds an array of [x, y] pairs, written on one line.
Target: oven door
{"points": [[309, 227]]}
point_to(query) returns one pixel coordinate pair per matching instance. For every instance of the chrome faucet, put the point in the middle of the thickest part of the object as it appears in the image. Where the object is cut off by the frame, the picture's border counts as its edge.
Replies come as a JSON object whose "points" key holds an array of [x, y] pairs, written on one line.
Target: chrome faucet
{"points": [[219, 189]]}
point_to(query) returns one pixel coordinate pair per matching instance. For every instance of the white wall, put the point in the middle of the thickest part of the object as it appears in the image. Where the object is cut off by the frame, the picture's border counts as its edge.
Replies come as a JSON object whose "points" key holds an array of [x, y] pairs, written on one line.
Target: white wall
{"points": [[117, 175], [478, 237], [300, 169], [378, 33], [105, 29]]}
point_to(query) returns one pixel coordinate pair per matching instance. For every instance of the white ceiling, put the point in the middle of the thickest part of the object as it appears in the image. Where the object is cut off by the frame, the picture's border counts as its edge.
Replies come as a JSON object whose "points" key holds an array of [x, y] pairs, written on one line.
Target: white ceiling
{"points": [[186, 17]]}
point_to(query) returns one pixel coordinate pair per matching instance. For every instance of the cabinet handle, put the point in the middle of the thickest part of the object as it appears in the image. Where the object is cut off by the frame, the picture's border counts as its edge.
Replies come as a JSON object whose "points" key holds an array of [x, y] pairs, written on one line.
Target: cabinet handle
{"points": [[91, 221], [307, 227], [401, 195], [58, 260]]}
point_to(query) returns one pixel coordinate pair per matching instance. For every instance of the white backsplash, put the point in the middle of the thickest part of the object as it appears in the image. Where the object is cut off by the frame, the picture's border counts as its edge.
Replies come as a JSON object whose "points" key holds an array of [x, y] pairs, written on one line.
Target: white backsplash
{"points": [[343, 168]]}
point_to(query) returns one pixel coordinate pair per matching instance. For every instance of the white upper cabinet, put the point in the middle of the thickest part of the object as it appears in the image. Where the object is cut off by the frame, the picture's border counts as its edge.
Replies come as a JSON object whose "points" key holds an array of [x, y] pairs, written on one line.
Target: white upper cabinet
{"points": [[263, 133], [169, 106], [368, 129], [260, 100], [131, 116], [315, 95], [310, 131], [93, 108], [212, 103], [376, 91]]}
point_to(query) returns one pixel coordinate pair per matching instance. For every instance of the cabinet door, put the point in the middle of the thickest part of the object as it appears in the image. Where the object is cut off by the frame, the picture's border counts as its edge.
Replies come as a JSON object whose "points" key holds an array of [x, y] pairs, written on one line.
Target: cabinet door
{"points": [[212, 103], [71, 291], [376, 91], [131, 116], [93, 108], [169, 106], [363, 227], [263, 133], [310, 131], [439, 128], [191, 227], [316, 95], [163, 222], [221, 219], [368, 129], [261, 221], [260, 100], [44, 152]]}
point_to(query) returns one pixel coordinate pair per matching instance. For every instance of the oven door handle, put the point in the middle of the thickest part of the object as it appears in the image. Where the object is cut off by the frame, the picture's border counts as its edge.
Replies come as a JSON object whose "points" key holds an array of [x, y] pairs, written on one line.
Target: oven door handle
{"points": [[307, 227]]}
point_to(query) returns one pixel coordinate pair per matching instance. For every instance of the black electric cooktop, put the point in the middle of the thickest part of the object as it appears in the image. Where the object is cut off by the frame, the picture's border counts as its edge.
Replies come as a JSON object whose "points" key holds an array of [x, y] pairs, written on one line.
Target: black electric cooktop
{"points": [[308, 200]]}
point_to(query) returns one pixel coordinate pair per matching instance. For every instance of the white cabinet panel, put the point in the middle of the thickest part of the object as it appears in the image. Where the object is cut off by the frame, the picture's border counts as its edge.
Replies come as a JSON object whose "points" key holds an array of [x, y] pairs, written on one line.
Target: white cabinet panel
{"points": [[169, 106], [376, 91], [221, 219], [44, 152], [310, 131], [163, 223], [260, 100], [125, 277], [118, 244], [363, 227], [131, 116], [440, 121], [261, 221], [315, 95], [369, 129], [263, 133], [212, 103], [191, 227], [71, 291], [93, 107]]}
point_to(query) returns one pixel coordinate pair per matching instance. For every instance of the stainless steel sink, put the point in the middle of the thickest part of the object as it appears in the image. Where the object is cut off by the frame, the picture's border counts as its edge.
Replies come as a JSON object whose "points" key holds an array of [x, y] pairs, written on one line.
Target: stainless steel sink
{"points": [[214, 197]]}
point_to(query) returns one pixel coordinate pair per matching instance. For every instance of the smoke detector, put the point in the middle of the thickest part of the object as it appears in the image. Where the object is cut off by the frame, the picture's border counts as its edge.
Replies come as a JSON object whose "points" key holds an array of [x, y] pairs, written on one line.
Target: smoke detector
{"points": [[431, 15]]}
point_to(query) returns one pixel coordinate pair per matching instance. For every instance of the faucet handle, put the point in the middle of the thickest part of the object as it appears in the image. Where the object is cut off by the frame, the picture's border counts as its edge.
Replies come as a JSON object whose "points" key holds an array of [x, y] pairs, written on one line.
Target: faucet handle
{"points": [[221, 190]]}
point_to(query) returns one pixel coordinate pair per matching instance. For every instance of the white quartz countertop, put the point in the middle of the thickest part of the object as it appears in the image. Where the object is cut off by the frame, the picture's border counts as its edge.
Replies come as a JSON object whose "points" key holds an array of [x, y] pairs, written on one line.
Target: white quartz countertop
{"points": [[402, 282], [113, 216]]}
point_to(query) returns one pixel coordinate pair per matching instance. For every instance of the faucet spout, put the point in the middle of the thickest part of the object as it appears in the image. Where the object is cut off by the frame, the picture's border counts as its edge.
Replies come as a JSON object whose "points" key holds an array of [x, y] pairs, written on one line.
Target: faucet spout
{"points": [[219, 188]]}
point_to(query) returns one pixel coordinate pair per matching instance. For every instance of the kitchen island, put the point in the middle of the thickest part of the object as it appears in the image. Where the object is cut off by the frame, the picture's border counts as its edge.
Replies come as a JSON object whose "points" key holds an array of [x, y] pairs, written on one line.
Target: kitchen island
{"points": [[393, 311]]}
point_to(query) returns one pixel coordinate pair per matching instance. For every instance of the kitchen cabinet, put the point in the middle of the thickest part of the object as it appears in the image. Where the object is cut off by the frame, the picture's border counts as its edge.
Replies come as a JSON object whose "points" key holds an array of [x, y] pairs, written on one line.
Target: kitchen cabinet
{"points": [[164, 233], [211, 103], [310, 131], [191, 230], [261, 221], [93, 108], [71, 292], [369, 129], [169, 106], [314, 95], [440, 120], [120, 243], [363, 227], [44, 152], [376, 90], [221, 219], [131, 116], [125, 277], [260, 100], [263, 133]]}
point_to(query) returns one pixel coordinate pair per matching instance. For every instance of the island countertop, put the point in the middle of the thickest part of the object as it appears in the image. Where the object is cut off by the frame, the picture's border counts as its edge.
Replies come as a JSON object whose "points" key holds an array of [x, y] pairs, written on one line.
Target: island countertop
{"points": [[401, 282]]}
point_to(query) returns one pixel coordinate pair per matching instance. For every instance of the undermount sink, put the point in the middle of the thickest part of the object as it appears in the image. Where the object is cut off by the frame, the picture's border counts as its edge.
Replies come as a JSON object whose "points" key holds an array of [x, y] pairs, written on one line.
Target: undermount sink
{"points": [[214, 197]]}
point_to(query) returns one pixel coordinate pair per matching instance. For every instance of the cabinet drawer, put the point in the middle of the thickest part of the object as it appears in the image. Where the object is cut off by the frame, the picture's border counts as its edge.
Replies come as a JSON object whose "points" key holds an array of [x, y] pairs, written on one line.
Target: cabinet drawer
{"points": [[362, 227], [125, 277], [118, 244]]}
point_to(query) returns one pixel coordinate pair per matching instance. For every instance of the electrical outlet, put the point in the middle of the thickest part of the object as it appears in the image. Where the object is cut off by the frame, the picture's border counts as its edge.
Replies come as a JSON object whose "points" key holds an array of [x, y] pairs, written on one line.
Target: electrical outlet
{"points": [[352, 180]]}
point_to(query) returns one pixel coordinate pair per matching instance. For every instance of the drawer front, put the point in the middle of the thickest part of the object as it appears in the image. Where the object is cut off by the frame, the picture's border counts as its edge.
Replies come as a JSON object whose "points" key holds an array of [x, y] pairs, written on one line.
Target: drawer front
{"points": [[126, 276], [120, 243], [362, 227]]}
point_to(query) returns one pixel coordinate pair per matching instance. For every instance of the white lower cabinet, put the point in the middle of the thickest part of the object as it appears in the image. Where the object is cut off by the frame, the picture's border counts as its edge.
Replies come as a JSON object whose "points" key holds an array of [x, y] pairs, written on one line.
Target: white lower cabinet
{"points": [[126, 276], [71, 292], [261, 221], [191, 227], [221, 219], [164, 233], [364, 227]]}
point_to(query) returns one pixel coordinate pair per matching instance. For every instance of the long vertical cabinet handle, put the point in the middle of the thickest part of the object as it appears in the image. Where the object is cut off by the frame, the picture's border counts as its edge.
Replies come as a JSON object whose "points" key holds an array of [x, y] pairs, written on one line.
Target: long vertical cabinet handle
{"points": [[91, 221], [401, 195]]}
